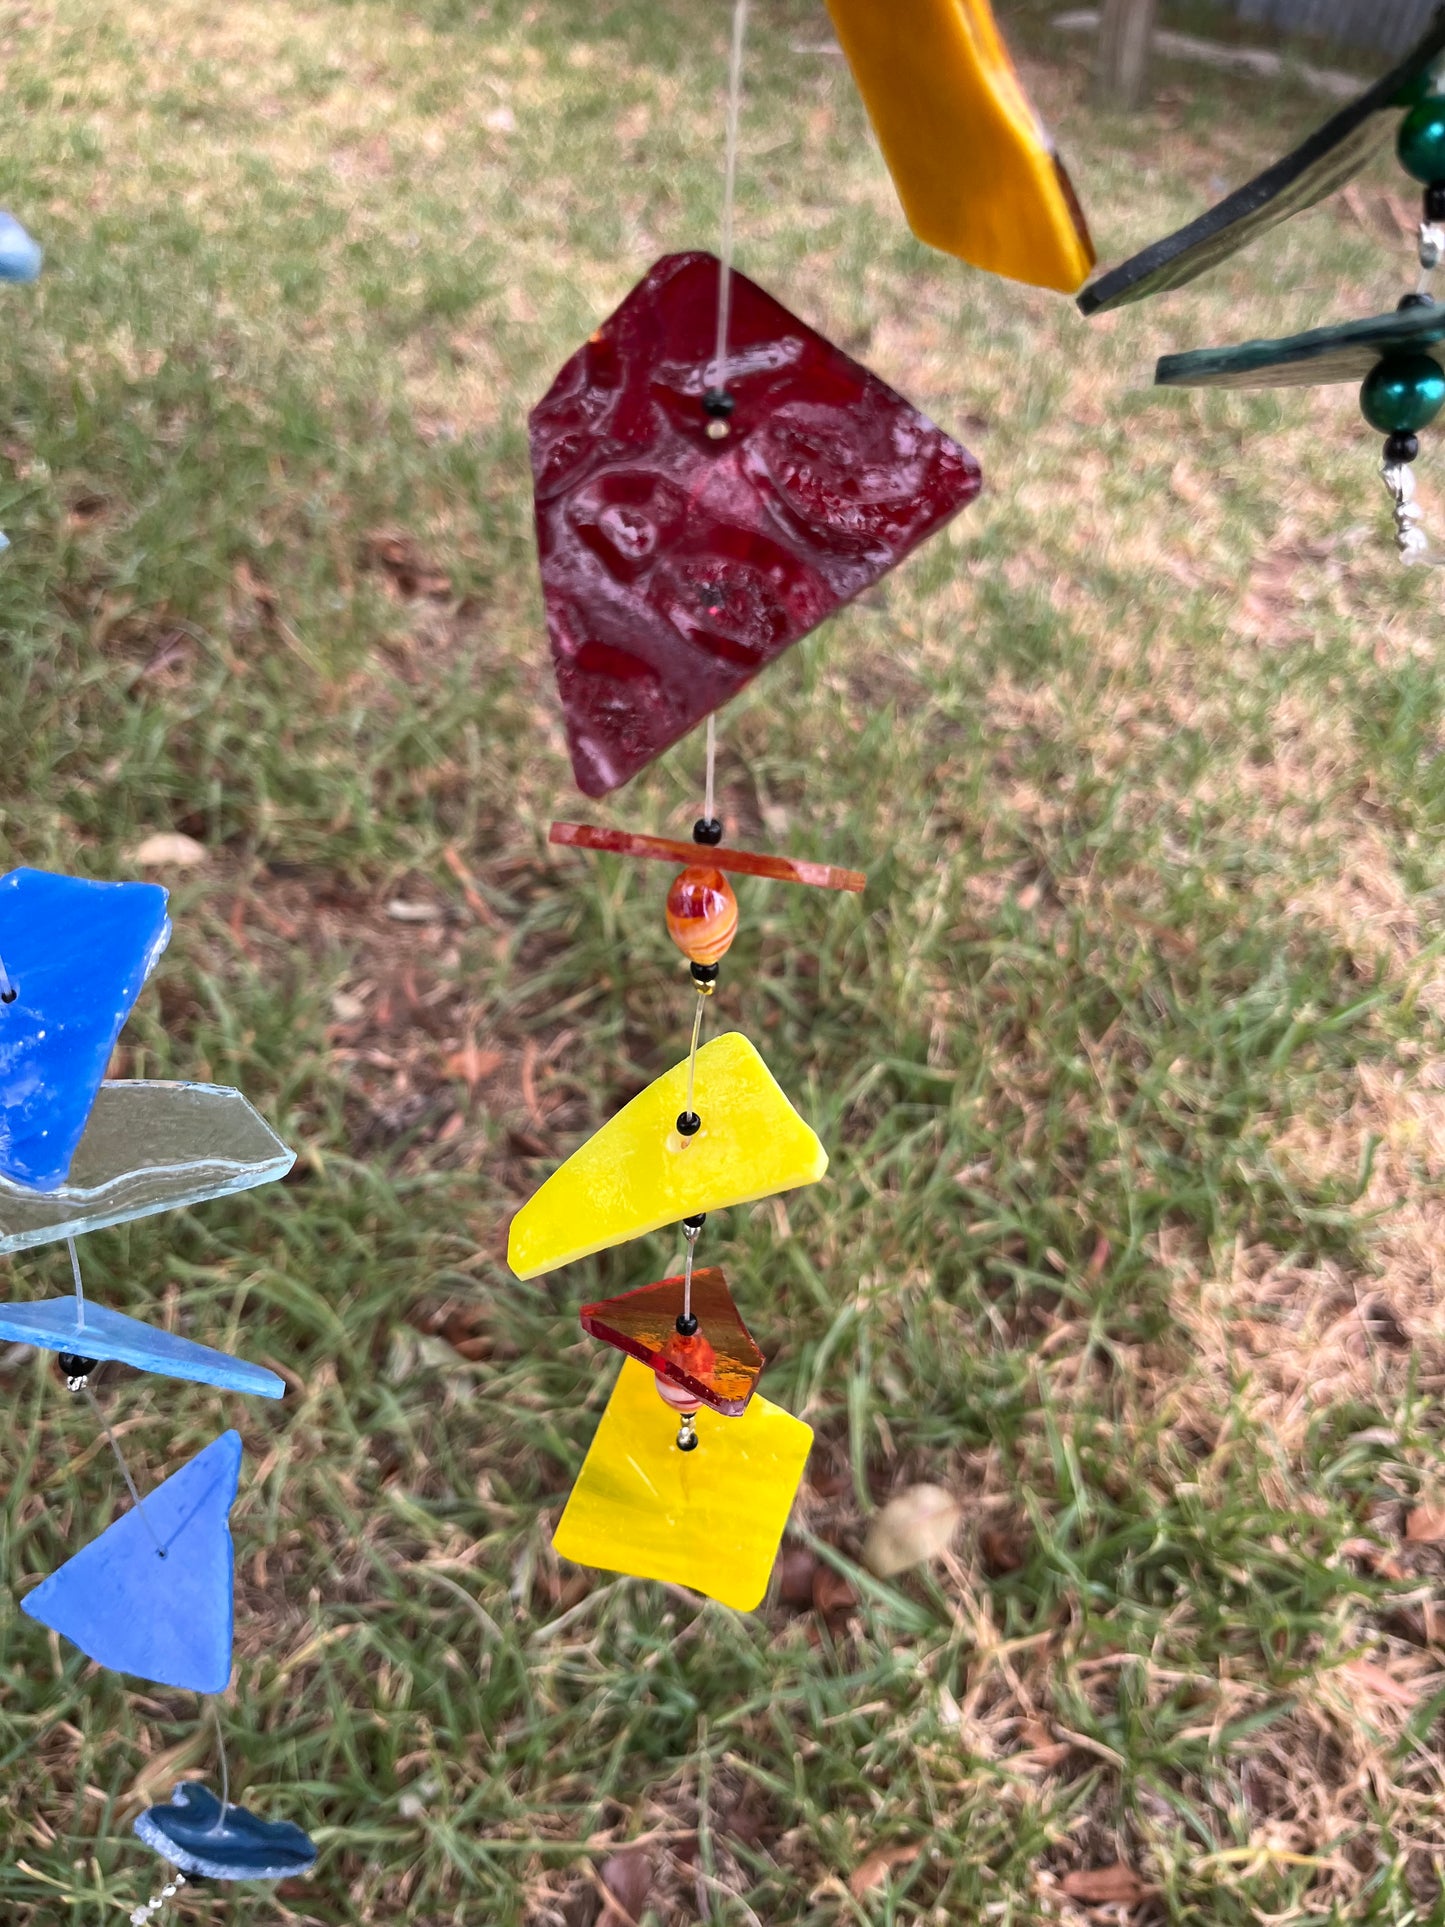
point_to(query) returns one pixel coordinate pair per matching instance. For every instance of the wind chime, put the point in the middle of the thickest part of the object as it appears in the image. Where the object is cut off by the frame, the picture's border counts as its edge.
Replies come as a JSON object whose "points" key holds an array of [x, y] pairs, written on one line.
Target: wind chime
{"points": [[152, 1596], [1398, 358], [713, 479]]}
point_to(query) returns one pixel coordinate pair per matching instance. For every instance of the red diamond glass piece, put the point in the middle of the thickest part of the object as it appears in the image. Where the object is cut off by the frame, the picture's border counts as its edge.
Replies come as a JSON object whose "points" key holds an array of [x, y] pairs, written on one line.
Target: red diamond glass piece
{"points": [[675, 566], [719, 1364]]}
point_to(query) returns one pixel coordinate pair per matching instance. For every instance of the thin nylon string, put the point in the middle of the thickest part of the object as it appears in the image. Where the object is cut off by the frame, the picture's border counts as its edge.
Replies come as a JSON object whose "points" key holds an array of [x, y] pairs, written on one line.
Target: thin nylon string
{"points": [[79, 1287], [692, 1054], [687, 1273], [124, 1471], [225, 1769], [730, 174], [7, 988], [711, 767]]}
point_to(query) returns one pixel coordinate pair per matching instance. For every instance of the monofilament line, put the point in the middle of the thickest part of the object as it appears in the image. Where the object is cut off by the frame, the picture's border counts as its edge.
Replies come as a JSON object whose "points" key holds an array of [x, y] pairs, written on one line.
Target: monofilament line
{"points": [[225, 1769], [8, 991], [130, 1483], [690, 1233], [692, 1054], [730, 174], [709, 785], [79, 1287]]}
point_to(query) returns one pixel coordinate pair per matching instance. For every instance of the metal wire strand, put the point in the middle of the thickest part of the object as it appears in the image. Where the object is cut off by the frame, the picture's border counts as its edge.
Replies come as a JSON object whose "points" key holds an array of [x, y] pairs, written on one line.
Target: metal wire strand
{"points": [[730, 174], [79, 1287]]}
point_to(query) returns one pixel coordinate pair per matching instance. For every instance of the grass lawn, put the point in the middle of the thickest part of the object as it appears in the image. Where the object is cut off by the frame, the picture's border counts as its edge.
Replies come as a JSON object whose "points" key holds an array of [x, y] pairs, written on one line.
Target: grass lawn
{"points": [[1131, 1061]]}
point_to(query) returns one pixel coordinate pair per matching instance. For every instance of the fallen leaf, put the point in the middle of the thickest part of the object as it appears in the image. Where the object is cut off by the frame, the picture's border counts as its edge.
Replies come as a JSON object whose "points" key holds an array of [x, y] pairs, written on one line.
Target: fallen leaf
{"points": [[169, 850], [1385, 1686], [627, 1879], [1097, 1886], [1426, 1525], [471, 1065], [873, 1871], [918, 1524], [795, 1572]]}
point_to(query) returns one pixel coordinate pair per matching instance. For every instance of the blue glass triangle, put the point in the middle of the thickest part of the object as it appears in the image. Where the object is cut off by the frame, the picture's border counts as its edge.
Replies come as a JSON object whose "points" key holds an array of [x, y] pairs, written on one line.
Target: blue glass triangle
{"points": [[20, 257], [166, 1619], [76, 955], [50, 1323], [197, 1835]]}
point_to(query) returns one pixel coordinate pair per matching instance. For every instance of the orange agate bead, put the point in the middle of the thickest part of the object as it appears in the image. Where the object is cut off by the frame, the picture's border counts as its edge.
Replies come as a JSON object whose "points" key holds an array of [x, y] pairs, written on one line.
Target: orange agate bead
{"points": [[702, 914]]}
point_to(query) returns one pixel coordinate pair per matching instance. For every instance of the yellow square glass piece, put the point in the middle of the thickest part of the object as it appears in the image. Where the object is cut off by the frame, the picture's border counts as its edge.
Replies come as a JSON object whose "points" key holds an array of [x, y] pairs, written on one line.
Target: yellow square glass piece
{"points": [[710, 1519], [975, 170], [637, 1173]]}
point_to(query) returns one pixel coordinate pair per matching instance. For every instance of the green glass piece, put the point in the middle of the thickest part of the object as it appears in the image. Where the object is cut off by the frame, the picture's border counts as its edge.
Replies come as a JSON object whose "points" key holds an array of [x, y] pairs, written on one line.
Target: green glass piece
{"points": [[1345, 351], [1404, 393], [147, 1148], [1420, 142]]}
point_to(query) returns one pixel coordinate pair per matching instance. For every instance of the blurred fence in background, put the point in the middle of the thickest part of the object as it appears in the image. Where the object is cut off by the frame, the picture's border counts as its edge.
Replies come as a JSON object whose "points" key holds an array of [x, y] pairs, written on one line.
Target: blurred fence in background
{"points": [[1388, 25]]}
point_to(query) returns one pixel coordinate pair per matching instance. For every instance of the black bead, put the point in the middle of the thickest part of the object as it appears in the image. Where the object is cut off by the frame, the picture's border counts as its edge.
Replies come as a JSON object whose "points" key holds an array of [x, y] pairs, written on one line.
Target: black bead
{"points": [[72, 1365], [1435, 201], [718, 404], [695, 1224], [1402, 446], [707, 829], [687, 1324], [9, 996], [1420, 300], [704, 973], [688, 1444], [689, 1124]]}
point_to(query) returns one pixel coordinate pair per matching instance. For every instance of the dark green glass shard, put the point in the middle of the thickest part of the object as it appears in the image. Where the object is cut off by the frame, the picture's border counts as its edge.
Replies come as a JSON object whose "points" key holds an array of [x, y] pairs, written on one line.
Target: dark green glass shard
{"points": [[1316, 168], [1345, 352]]}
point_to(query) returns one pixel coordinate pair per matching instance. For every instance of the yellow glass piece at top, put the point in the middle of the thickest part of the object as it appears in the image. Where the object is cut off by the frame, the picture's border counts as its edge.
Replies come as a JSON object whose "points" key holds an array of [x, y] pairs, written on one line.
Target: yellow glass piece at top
{"points": [[710, 1519], [637, 1174], [976, 172]]}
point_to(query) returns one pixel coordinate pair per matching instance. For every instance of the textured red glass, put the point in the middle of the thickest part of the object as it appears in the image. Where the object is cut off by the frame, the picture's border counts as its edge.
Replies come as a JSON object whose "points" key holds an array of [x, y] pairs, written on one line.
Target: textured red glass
{"points": [[719, 1364], [675, 566], [747, 863]]}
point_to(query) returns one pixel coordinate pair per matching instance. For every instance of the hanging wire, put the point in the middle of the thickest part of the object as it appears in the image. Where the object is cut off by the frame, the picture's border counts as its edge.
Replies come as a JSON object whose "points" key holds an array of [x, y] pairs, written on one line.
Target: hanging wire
{"points": [[225, 1768], [79, 1287], [730, 171], [130, 1483], [692, 1054], [9, 989], [710, 784], [690, 1232]]}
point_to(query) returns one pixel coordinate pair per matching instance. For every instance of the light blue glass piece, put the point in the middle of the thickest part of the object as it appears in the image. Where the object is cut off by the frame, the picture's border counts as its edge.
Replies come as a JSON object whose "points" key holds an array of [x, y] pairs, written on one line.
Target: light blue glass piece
{"points": [[211, 1842], [153, 1594], [103, 1333], [75, 956], [148, 1147], [20, 257], [4, 541]]}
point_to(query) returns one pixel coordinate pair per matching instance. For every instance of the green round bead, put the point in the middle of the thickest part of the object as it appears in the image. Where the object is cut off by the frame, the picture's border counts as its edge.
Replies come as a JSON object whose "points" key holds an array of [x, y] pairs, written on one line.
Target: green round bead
{"points": [[1427, 86], [1420, 142], [1402, 394]]}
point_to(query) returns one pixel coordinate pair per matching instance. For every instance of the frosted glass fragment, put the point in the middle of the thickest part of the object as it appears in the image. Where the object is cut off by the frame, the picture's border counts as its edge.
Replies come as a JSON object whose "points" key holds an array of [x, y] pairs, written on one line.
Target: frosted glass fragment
{"points": [[74, 956], [101, 1333], [710, 1519], [148, 1147], [195, 1833], [976, 172], [638, 1173], [167, 1618]]}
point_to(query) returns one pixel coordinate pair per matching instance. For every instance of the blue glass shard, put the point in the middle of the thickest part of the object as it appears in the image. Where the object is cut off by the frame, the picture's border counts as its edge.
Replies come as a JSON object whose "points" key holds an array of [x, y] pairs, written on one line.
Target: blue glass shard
{"points": [[51, 1324], [147, 1148], [20, 257], [76, 955], [163, 1614], [195, 1833]]}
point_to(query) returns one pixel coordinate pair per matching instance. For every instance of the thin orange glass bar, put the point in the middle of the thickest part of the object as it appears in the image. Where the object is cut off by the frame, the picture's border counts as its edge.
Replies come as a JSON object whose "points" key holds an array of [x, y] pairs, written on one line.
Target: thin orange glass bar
{"points": [[747, 863]]}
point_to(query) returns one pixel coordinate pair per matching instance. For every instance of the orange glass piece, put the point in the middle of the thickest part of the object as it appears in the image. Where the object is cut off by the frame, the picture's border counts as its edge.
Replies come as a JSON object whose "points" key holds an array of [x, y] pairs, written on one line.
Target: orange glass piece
{"points": [[709, 1519], [746, 863], [719, 1364], [702, 914]]}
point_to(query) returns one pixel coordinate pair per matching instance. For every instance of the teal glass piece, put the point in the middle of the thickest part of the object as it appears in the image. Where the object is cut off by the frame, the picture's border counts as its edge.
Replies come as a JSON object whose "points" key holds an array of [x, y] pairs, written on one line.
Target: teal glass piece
{"points": [[209, 1841], [152, 1595], [1346, 351], [1420, 141], [1403, 394], [73, 958], [148, 1147], [87, 1330], [20, 257]]}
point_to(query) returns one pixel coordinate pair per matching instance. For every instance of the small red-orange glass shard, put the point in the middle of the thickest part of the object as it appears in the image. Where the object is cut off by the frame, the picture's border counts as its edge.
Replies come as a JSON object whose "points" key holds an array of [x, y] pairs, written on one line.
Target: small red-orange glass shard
{"points": [[702, 913], [719, 1365], [743, 863]]}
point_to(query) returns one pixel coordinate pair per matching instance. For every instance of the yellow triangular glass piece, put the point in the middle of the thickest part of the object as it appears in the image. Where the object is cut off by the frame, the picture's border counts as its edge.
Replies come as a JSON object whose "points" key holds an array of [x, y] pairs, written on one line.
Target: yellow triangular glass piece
{"points": [[710, 1519], [637, 1174], [975, 170]]}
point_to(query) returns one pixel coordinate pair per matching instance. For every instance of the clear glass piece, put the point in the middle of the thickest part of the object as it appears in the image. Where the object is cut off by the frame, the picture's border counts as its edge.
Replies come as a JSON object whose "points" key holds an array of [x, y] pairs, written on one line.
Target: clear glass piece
{"points": [[148, 1147]]}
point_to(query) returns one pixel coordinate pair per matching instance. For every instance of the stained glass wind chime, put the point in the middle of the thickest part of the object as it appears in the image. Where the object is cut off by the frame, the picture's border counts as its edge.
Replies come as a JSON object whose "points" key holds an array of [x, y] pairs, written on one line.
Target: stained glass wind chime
{"points": [[152, 1596], [1398, 358], [713, 479]]}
